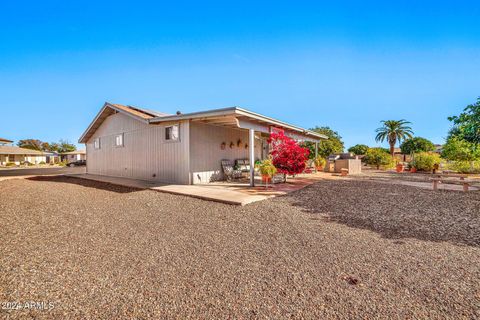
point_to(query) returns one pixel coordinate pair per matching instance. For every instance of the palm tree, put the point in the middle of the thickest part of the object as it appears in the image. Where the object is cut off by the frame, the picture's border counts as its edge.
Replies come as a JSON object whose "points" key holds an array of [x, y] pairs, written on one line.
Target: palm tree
{"points": [[393, 131]]}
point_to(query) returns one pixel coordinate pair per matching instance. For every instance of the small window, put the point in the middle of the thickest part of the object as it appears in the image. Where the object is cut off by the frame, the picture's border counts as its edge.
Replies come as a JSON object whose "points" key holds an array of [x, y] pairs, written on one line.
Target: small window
{"points": [[171, 133], [96, 143], [119, 140]]}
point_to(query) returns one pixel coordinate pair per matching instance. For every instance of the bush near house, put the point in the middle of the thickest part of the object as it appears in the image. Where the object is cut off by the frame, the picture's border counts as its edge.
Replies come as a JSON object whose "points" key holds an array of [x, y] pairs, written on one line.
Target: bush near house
{"points": [[267, 168], [42, 162], [379, 158], [62, 163], [287, 156], [10, 164], [464, 166], [425, 161], [319, 162]]}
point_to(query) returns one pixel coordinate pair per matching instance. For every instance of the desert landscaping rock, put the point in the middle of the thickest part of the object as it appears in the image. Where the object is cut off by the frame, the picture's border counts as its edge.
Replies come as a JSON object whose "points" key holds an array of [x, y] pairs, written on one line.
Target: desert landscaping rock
{"points": [[336, 249]]}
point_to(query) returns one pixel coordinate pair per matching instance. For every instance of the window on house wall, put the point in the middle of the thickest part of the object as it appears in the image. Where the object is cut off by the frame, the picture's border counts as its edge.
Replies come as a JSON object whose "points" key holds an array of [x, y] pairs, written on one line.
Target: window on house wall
{"points": [[172, 133], [96, 143], [119, 140]]}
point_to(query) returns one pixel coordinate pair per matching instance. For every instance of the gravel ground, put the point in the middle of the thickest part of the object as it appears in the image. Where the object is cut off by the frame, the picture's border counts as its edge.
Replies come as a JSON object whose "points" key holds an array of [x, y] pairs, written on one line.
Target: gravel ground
{"points": [[336, 249]]}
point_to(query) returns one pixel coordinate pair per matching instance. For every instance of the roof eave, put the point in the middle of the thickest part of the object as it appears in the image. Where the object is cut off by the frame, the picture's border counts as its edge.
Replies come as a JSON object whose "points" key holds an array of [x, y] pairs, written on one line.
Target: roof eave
{"points": [[236, 111], [249, 113], [107, 105]]}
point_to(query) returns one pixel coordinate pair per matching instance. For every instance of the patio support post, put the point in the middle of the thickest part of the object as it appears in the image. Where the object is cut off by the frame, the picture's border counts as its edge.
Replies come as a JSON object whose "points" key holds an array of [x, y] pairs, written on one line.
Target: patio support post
{"points": [[316, 153], [251, 153]]}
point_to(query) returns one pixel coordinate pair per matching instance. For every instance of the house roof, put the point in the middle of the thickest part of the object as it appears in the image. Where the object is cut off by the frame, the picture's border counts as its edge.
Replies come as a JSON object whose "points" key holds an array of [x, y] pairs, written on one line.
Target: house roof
{"points": [[111, 108], [75, 152], [237, 112], [225, 116], [18, 150], [3, 140]]}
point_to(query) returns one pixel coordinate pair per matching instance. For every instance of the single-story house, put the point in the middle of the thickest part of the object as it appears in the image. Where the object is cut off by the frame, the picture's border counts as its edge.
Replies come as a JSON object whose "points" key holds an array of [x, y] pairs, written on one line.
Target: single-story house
{"points": [[17, 155], [130, 142], [74, 156]]}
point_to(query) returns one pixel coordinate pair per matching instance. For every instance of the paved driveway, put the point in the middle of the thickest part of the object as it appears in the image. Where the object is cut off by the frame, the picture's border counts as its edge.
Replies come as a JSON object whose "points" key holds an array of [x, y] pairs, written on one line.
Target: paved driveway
{"points": [[40, 171]]}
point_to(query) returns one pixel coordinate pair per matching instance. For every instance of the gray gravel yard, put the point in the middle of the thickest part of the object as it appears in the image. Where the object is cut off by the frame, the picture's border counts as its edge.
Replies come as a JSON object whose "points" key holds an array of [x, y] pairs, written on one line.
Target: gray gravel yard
{"points": [[336, 249]]}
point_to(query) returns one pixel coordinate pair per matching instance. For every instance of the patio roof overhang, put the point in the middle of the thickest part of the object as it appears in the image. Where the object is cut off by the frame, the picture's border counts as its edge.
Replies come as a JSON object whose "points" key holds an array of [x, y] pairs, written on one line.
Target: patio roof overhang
{"points": [[244, 119]]}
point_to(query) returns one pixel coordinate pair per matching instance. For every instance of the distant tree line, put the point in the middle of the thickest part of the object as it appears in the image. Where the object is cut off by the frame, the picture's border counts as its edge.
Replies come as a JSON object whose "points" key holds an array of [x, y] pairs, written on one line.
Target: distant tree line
{"points": [[35, 144]]}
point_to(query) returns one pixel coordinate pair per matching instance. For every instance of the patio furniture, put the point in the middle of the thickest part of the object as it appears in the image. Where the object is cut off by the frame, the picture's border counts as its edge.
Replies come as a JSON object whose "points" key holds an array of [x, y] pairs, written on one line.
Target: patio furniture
{"points": [[229, 171], [243, 165]]}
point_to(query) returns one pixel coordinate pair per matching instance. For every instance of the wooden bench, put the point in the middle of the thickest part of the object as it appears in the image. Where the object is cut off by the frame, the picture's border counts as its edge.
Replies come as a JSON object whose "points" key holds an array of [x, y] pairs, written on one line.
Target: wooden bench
{"points": [[452, 179]]}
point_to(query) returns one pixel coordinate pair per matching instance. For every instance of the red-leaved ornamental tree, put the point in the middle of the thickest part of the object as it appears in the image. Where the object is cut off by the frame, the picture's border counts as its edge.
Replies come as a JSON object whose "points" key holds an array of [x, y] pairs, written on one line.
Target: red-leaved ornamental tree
{"points": [[288, 157]]}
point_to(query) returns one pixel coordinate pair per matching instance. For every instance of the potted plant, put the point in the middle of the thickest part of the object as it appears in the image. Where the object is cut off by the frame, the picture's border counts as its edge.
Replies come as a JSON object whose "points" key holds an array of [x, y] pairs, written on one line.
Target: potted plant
{"points": [[319, 163], [400, 167], [267, 170]]}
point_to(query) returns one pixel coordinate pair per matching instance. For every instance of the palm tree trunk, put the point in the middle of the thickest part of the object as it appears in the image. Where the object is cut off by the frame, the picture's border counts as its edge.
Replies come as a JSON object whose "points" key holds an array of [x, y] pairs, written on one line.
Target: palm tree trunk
{"points": [[392, 150]]}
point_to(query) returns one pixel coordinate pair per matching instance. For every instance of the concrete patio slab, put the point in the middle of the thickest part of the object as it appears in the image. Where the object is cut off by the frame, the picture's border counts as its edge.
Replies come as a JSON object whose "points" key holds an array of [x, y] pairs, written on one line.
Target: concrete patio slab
{"points": [[206, 192]]}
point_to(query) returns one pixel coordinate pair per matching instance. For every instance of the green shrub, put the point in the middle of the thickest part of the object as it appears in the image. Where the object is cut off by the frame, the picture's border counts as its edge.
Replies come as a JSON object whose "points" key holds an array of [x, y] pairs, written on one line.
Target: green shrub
{"points": [[267, 168], [320, 162], [459, 150], [379, 158], [42, 162], [62, 163], [464, 166], [10, 164], [425, 161]]}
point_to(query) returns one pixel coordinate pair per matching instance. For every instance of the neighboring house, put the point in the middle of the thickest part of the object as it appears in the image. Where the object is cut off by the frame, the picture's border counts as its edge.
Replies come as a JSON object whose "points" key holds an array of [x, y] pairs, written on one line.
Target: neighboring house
{"points": [[125, 141], [53, 157], [438, 148], [74, 156], [5, 141], [20, 155]]}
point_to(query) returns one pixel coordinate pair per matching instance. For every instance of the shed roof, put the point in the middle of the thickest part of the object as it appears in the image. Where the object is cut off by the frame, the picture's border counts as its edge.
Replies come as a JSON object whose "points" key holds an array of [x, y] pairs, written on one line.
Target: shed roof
{"points": [[18, 150]]}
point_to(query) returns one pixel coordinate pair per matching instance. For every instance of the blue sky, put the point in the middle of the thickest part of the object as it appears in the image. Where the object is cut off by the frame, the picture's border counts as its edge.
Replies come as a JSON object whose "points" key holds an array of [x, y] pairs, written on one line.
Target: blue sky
{"points": [[345, 64]]}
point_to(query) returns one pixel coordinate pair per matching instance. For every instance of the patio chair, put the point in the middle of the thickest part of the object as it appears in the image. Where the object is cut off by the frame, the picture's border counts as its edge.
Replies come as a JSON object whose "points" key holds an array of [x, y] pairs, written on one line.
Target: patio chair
{"points": [[229, 171], [242, 165]]}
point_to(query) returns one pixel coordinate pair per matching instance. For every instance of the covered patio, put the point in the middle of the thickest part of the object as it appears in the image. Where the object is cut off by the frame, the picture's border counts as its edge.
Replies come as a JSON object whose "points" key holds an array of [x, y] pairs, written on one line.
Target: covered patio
{"points": [[232, 134]]}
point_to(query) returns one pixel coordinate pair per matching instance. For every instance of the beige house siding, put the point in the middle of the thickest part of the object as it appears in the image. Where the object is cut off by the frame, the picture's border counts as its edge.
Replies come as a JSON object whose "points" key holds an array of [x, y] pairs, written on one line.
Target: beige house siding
{"points": [[35, 159], [206, 152], [76, 157], [145, 154], [19, 158]]}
